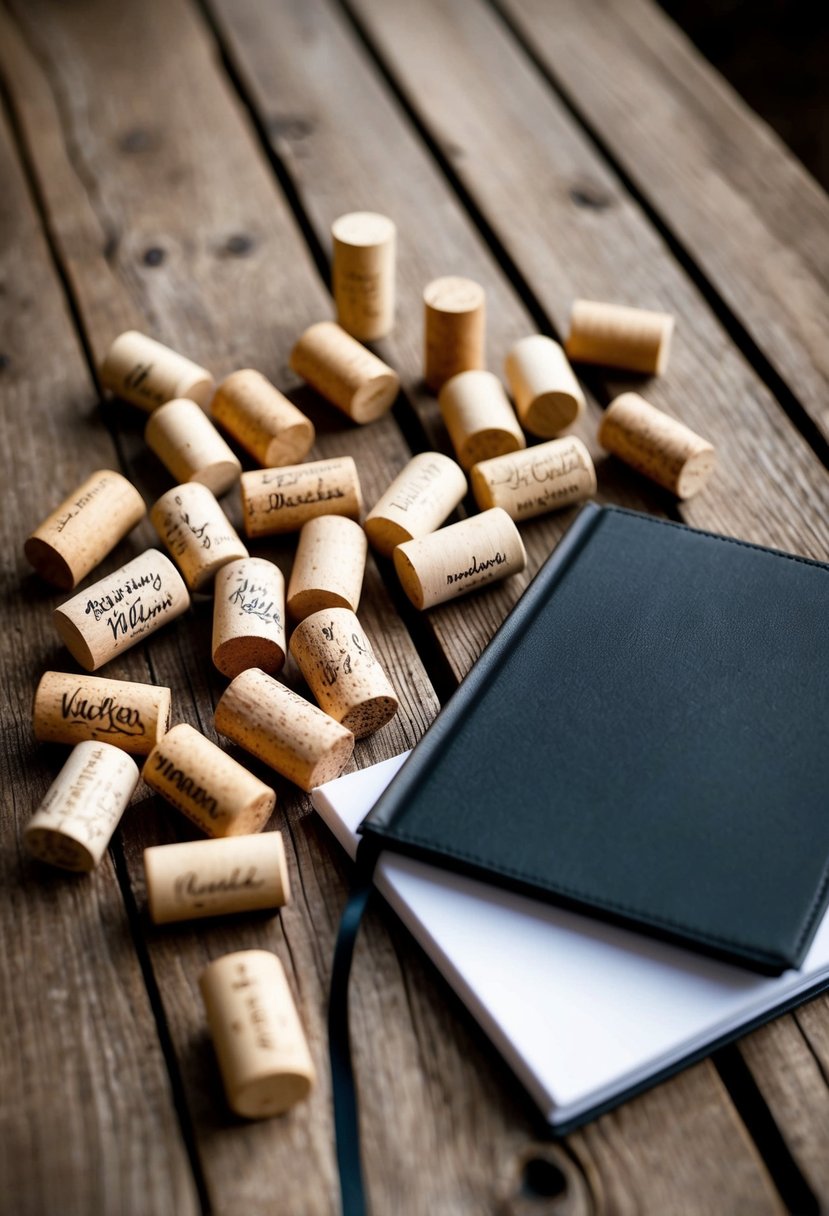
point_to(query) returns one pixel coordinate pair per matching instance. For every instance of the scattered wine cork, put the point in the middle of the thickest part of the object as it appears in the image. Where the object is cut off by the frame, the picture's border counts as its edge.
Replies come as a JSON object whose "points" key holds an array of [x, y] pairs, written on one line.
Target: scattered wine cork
{"points": [[123, 608], [363, 273], [74, 823], [261, 419], [199, 878], [344, 372], [84, 529], [263, 1055], [655, 444], [189, 446], [338, 664], [148, 374], [329, 566], [454, 329], [249, 617], [454, 560], [282, 500], [615, 336], [283, 729], [479, 418], [539, 479], [195, 529], [547, 395], [417, 502], [70, 709], [208, 786]]}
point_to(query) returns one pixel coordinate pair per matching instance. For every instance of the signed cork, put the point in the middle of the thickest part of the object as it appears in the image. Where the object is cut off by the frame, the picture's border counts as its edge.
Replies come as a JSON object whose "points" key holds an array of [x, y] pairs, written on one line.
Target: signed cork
{"points": [[69, 708]]}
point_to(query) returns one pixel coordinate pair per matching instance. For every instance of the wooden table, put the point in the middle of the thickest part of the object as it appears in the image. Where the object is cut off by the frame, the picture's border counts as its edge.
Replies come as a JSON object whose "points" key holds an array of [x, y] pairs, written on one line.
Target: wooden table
{"points": [[174, 167]]}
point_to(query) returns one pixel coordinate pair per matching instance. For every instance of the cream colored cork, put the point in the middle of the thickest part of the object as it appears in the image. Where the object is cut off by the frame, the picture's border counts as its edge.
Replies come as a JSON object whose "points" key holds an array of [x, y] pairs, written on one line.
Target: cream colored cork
{"points": [[75, 821], [479, 418], [417, 502], [261, 419], [282, 500], [362, 273], [616, 336], [329, 566], [338, 664], [189, 446], [344, 372], [658, 446], [457, 559], [207, 785], [125, 607], [454, 325], [263, 1055], [283, 729], [199, 878], [198, 534], [547, 395], [84, 528], [540, 479], [69, 709], [249, 617], [149, 374]]}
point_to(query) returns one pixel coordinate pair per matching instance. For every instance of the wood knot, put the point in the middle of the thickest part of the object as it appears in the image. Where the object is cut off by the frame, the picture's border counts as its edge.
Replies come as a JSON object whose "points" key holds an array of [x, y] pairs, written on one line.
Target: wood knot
{"points": [[541, 1178], [154, 256], [290, 126], [138, 140], [589, 196], [239, 244], [5, 361]]}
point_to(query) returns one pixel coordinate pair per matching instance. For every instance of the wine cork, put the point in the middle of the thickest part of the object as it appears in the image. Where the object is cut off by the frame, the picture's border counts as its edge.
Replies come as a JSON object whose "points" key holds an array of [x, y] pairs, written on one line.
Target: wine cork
{"points": [[539, 479], [454, 329], [338, 664], [189, 446], [263, 1055], [283, 729], [249, 617], [479, 418], [363, 273], [195, 529], [261, 419], [199, 878], [208, 786], [70, 709], [457, 559], [344, 372], [329, 566], [282, 500], [123, 608], [84, 529], [547, 395], [148, 374], [658, 446], [75, 821], [417, 502], [615, 336]]}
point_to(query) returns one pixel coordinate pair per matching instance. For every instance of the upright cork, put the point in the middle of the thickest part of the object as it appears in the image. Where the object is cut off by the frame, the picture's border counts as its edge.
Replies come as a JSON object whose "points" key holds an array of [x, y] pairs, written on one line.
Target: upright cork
{"points": [[199, 878], [263, 1055], [84, 528], [363, 273], [479, 418], [634, 339], [347, 374], [189, 446], [262, 419], [110, 616], [249, 617], [338, 664], [75, 821], [460, 558], [454, 324], [658, 446], [195, 529], [547, 395], [208, 786], [540, 479], [148, 374], [417, 502], [283, 729], [282, 500], [70, 709], [329, 566]]}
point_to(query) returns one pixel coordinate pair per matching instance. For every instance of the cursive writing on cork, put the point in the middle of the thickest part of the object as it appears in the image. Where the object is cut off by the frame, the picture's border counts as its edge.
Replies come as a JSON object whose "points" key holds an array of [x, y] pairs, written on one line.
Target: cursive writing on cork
{"points": [[186, 786], [190, 888], [106, 714], [476, 568]]}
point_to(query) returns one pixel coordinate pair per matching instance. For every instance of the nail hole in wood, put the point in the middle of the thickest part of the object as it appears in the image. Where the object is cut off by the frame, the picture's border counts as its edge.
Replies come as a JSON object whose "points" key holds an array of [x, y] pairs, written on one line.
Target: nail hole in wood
{"points": [[542, 1179]]}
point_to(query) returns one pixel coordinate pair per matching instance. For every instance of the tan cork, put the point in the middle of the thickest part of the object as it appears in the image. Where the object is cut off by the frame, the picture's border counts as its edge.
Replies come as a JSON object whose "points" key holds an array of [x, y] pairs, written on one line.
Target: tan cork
{"points": [[613, 335], [539, 479], [467, 555], [454, 329], [69, 709], [189, 446], [362, 273], [221, 877], [344, 372], [328, 567], [282, 500], [249, 617], [149, 374], [198, 534], [261, 419], [658, 446], [479, 418], [547, 395], [417, 502]]}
